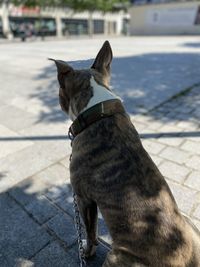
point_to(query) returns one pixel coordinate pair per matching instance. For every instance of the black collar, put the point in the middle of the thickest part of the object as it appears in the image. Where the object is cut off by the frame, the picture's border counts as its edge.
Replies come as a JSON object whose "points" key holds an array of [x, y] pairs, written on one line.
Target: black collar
{"points": [[102, 110]]}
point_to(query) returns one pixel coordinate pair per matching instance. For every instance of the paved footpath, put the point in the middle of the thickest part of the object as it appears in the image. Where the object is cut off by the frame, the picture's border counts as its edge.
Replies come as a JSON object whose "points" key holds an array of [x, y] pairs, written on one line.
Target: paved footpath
{"points": [[162, 96]]}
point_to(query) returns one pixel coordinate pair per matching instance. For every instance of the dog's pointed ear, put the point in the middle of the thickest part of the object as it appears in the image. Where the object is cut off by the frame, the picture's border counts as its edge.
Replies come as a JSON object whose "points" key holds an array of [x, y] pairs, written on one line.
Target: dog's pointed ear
{"points": [[62, 66], [103, 59]]}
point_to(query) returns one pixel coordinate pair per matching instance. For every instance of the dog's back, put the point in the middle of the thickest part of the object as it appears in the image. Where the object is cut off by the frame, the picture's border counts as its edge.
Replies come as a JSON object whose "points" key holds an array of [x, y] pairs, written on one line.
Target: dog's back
{"points": [[115, 171]]}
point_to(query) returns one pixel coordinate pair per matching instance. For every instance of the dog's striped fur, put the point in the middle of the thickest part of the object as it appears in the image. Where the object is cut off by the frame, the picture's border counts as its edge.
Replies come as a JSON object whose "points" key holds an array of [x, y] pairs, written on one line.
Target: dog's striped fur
{"points": [[110, 169]]}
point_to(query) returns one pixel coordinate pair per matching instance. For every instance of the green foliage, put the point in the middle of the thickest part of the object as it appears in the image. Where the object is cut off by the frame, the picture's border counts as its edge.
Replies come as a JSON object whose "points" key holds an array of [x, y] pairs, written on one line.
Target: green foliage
{"points": [[103, 5], [37, 2], [77, 5]]}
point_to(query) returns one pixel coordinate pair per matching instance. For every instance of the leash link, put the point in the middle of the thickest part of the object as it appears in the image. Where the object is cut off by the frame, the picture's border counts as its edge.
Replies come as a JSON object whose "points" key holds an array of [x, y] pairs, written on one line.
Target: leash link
{"points": [[79, 232], [77, 220]]}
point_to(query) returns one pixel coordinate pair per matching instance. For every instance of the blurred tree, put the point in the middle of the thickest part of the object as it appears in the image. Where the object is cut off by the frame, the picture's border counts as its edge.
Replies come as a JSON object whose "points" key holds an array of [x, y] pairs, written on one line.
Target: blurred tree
{"points": [[96, 5], [77, 5]]}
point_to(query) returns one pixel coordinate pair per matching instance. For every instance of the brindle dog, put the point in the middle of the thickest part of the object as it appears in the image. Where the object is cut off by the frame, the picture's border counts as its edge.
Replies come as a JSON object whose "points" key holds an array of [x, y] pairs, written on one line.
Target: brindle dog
{"points": [[111, 170]]}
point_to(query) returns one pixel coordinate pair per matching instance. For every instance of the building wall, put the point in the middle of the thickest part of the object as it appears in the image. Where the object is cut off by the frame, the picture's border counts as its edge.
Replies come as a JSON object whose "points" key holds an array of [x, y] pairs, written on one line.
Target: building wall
{"points": [[66, 21], [165, 19]]}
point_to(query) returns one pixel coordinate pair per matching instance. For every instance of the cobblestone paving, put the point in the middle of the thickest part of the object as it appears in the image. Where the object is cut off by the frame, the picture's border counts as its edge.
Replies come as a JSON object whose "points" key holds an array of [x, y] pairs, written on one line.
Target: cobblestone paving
{"points": [[171, 134], [43, 203], [36, 214]]}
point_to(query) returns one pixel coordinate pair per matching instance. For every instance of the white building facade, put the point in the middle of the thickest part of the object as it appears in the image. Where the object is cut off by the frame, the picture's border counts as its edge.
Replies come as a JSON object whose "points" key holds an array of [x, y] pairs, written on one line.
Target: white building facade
{"points": [[165, 18]]}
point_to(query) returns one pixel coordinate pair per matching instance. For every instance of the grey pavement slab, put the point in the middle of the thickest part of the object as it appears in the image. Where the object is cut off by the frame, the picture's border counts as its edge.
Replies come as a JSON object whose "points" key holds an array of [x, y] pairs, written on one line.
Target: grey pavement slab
{"points": [[63, 226], [20, 236], [21, 165], [193, 180], [29, 190], [34, 169], [41, 209], [174, 171], [184, 196], [55, 256], [16, 118], [8, 148], [193, 162]]}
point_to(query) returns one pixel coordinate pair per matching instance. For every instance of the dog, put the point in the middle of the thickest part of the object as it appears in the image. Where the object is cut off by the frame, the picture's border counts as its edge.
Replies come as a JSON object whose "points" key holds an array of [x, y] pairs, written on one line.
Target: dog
{"points": [[111, 170]]}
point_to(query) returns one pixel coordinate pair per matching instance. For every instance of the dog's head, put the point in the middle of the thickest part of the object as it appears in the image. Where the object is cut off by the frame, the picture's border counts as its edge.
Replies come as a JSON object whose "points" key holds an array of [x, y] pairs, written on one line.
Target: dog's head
{"points": [[75, 85]]}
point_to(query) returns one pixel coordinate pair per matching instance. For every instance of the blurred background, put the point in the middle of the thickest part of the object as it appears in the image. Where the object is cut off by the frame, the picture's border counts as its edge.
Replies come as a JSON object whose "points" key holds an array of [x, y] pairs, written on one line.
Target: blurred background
{"points": [[155, 70], [30, 19]]}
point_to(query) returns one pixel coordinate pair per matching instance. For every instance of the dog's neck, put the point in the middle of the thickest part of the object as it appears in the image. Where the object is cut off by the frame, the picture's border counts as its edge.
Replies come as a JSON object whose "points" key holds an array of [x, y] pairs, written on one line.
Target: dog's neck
{"points": [[100, 94]]}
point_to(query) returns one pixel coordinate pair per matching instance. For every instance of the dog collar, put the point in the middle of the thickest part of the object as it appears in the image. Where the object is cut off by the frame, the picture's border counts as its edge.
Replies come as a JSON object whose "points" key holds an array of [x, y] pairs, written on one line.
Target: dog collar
{"points": [[99, 111]]}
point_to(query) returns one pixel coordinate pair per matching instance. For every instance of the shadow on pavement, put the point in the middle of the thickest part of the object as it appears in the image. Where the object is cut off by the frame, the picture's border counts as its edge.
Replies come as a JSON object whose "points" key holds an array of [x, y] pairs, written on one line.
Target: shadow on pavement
{"points": [[143, 81], [193, 45], [37, 227], [2, 175], [63, 137]]}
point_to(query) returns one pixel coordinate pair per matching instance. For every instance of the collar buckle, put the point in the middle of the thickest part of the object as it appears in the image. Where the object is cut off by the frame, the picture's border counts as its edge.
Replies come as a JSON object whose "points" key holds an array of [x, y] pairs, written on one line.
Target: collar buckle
{"points": [[70, 134], [102, 110]]}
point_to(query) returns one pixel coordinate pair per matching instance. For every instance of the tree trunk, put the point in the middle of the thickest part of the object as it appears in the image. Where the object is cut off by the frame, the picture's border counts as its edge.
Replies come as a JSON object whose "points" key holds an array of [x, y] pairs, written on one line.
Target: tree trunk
{"points": [[105, 26], [5, 21], [90, 24], [59, 32]]}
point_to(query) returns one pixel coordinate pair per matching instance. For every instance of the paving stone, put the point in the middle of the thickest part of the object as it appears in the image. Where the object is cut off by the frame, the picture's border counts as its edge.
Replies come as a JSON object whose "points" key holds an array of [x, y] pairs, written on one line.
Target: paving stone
{"points": [[28, 190], [140, 118], [63, 226], [196, 223], [16, 118], [97, 260], [149, 133], [30, 105], [55, 256], [20, 236], [152, 147], [173, 171], [55, 175], [169, 128], [194, 162], [187, 125], [65, 162], [191, 146], [185, 197], [193, 180], [183, 117], [56, 192], [54, 150], [157, 160], [171, 141], [197, 212], [196, 112], [174, 154], [23, 263], [192, 135], [155, 125], [66, 204], [8, 148], [138, 125], [41, 209], [21, 165], [49, 129], [183, 109]]}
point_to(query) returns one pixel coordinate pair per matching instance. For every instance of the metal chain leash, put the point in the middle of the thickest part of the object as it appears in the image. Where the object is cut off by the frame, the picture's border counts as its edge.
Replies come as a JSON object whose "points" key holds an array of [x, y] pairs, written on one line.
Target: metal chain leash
{"points": [[77, 221], [79, 232]]}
